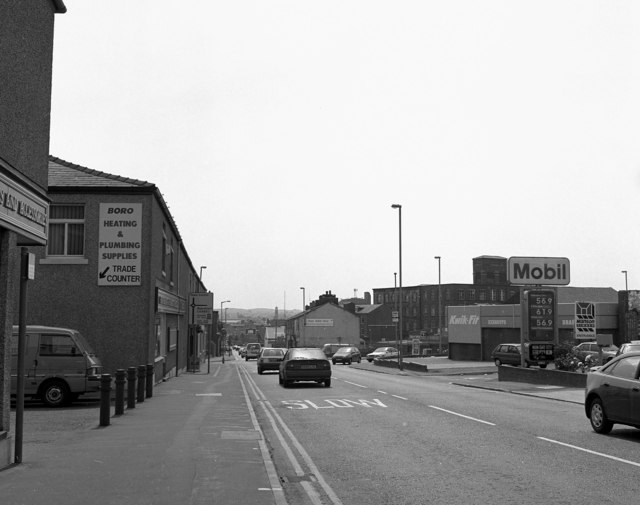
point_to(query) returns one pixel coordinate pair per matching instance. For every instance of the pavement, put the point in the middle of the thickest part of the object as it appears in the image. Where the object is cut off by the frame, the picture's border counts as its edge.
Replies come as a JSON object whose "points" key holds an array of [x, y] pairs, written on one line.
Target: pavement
{"points": [[195, 441]]}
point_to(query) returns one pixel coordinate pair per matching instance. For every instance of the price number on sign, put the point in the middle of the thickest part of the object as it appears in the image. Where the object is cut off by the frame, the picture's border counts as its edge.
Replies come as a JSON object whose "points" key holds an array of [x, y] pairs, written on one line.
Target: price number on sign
{"points": [[541, 306]]}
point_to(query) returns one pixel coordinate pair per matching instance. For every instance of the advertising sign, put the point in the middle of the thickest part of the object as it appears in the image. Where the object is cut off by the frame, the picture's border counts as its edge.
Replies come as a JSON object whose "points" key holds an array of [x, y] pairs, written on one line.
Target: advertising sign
{"points": [[120, 244], [541, 314], [538, 271], [585, 321]]}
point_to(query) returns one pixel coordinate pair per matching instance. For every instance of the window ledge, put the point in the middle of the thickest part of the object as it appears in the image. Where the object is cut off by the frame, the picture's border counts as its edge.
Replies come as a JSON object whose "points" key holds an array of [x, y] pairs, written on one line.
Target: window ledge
{"points": [[64, 261]]}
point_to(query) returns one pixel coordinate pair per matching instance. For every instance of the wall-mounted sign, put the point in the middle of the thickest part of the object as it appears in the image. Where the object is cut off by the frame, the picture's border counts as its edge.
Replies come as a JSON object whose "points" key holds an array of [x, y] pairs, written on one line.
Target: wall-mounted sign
{"points": [[538, 271], [23, 212], [120, 244], [318, 322]]}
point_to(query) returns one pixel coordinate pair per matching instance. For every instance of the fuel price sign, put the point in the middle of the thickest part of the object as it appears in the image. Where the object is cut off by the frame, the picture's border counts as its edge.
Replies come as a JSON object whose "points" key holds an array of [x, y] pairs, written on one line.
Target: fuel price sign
{"points": [[541, 310]]}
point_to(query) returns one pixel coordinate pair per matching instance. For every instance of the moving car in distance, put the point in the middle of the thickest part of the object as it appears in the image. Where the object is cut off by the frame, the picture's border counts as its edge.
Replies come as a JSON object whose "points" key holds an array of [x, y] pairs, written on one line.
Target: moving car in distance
{"points": [[612, 393], [330, 349], [382, 352], [270, 358], [252, 351], [346, 355], [307, 364]]}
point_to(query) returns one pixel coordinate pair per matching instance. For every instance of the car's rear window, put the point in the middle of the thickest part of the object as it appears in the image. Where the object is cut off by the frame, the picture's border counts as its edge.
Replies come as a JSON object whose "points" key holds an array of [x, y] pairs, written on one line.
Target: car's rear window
{"points": [[272, 352], [303, 353]]}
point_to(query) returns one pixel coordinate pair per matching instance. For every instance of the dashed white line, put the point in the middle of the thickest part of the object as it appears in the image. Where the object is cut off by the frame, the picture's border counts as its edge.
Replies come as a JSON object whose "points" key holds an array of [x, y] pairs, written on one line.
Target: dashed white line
{"points": [[401, 397], [358, 385], [614, 458], [462, 415]]}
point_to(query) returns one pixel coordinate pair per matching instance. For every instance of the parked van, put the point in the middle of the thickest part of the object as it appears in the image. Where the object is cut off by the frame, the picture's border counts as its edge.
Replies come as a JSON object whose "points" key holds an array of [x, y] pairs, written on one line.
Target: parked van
{"points": [[59, 363]]}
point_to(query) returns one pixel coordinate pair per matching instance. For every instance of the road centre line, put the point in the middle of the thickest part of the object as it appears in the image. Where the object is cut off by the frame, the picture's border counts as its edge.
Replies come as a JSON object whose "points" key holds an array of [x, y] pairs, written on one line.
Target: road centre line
{"points": [[614, 458], [354, 384], [401, 397], [462, 415]]}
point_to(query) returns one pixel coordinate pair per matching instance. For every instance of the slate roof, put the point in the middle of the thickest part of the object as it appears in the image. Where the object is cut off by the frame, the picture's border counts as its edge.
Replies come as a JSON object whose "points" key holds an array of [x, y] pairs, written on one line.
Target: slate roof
{"points": [[64, 174]]}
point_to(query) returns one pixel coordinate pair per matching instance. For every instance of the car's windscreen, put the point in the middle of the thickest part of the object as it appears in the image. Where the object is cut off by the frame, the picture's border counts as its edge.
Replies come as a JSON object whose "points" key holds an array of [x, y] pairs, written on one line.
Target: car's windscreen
{"points": [[306, 354], [381, 349], [343, 350]]}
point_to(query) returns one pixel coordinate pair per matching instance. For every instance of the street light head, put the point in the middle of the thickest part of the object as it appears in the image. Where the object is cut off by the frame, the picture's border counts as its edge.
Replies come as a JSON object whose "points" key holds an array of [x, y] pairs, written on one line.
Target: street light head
{"points": [[396, 206], [437, 257]]}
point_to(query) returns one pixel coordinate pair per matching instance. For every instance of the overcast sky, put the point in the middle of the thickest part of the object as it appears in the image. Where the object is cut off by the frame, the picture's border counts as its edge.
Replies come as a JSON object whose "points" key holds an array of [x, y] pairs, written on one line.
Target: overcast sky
{"points": [[281, 132]]}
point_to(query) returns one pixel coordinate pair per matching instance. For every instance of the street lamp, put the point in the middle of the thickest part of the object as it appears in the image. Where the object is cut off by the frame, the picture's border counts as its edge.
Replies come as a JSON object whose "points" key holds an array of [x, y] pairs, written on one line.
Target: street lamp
{"points": [[222, 315], [399, 338], [439, 308], [304, 303], [201, 269], [626, 286]]}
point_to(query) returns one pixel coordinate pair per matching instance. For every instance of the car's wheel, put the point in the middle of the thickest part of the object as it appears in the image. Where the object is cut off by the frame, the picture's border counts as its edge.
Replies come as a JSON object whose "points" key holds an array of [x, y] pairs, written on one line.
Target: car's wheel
{"points": [[280, 381], [286, 383], [334, 362], [347, 362], [359, 360], [497, 362], [259, 371], [543, 365], [55, 393], [598, 417], [369, 360], [327, 383]]}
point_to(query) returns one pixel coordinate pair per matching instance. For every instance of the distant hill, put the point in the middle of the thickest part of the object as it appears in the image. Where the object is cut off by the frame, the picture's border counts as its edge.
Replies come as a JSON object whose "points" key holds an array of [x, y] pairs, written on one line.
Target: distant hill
{"points": [[258, 315]]}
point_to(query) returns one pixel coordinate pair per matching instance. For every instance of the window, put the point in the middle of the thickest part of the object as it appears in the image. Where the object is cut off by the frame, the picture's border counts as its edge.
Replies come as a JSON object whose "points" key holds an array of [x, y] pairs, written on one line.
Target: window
{"points": [[57, 345], [626, 368], [461, 294], [66, 230]]}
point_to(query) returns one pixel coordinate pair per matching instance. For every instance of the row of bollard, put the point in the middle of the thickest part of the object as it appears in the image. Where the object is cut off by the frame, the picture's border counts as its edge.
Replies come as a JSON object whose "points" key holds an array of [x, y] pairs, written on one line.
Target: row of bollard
{"points": [[139, 381]]}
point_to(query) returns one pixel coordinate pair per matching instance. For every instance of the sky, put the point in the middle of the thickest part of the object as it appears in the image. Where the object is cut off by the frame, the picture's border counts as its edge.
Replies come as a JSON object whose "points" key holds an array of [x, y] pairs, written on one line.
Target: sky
{"points": [[281, 132]]}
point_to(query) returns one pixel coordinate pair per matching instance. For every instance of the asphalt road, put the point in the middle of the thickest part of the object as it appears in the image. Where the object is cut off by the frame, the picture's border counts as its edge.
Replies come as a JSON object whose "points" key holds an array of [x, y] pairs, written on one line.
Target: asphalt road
{"points": [[379, 438]]}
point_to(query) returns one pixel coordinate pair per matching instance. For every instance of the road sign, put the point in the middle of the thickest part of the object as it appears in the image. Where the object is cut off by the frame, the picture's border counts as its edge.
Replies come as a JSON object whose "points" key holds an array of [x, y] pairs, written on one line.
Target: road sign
{"points": [[200, 308], [120, 244], [394, 316]]}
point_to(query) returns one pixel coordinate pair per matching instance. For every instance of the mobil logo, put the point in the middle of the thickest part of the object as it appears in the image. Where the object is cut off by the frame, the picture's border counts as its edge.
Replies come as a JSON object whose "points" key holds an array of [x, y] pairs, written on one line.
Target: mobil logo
{"points": [[538, 270]]}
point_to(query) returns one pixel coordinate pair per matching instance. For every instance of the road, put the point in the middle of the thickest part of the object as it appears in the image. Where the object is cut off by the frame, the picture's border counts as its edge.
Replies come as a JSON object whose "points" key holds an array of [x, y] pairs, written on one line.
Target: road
{"points": [[379, 438]]}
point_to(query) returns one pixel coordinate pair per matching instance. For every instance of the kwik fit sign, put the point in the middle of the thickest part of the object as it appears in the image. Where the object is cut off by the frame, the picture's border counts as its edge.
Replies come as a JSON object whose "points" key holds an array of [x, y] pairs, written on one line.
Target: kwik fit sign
{"points": [[538, 271]]}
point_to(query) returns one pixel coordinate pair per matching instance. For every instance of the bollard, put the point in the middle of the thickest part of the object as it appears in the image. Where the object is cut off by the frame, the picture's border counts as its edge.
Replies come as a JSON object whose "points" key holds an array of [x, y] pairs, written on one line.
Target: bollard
{"points": [[150, 369], [142, 373], [105, 399], [121, 378], [131, 387]]}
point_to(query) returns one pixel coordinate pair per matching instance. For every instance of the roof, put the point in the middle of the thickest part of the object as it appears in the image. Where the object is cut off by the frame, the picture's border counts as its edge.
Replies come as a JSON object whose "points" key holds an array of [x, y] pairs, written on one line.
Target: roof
{"points": [[570, 294], [64, 174], [367, 309]]}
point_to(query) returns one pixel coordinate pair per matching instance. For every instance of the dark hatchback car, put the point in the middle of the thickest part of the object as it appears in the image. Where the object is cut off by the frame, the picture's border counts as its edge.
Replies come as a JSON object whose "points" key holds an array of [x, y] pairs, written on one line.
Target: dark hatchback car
{"points": [[308, 364], [270, 359], [612, 394], [346, 356], [509, 354]]}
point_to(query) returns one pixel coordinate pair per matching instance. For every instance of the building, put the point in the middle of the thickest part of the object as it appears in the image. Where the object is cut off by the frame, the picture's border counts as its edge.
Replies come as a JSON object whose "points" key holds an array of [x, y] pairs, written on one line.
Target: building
{"points": [[25, 107], [474, 331], [376, 323], [116, 269], [424, 306], [323, 322]]}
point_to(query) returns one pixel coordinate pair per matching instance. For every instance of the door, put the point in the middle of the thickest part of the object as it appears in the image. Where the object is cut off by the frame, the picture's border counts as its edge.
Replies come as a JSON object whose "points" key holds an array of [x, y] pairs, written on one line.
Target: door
{"points": [[60, 356]]}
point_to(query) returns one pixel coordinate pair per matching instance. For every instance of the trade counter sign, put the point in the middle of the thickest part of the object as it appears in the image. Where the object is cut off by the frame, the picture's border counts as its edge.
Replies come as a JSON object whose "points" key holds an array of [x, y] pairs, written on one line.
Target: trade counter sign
{"points": [[119, 247]]}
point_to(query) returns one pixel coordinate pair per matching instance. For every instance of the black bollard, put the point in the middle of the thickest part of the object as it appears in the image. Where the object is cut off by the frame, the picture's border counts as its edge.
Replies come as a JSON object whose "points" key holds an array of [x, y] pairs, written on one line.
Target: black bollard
{"points": [[150, 369], [131, 387], [142, 373], [121, 378], [105, 399]]}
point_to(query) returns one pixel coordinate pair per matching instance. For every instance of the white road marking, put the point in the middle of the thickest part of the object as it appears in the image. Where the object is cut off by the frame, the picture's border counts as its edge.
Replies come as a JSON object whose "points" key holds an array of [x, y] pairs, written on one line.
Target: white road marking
{"points": [[590, 451], [208, 394], [383, 392], [358, 385], [462, 415], [401, 397]]}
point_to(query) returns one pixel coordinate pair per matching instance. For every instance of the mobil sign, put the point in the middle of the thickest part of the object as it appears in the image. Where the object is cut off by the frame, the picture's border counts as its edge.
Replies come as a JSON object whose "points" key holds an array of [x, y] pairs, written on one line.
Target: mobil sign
{"points": [[538, 271]]}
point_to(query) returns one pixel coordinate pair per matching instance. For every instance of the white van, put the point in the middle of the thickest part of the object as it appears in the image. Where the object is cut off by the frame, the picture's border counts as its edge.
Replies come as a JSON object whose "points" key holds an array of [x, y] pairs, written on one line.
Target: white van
{"points": [[59, 365]]}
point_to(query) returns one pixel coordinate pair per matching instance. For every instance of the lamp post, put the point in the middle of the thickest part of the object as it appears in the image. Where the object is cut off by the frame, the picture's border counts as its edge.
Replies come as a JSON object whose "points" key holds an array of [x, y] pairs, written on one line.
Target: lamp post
{"points": [[223, 318], [201, 269], [399, 337], [304, 303], [395, 302], [439, 308], [626, 286]]}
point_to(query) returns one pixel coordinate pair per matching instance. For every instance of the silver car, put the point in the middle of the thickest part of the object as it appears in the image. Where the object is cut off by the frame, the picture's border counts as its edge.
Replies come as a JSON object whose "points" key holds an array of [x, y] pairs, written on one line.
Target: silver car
{"points": [[382, 352]]}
